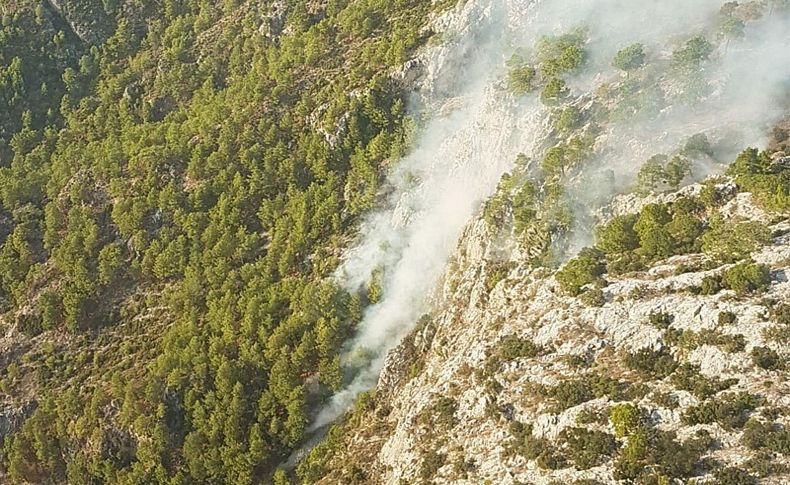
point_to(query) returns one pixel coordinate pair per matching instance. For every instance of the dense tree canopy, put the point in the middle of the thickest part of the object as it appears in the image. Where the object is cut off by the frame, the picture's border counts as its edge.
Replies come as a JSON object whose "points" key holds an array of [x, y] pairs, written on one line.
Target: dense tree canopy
{"points": [[175, 190]]}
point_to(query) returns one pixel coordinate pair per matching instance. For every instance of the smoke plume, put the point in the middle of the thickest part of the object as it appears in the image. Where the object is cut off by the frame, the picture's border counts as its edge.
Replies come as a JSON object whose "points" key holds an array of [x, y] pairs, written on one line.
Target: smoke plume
{"points": [[475, 129]]}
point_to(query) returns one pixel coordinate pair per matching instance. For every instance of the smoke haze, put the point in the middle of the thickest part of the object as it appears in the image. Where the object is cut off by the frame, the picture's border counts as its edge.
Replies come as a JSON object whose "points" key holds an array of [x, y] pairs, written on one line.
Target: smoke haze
{"points": [[476, 128]]}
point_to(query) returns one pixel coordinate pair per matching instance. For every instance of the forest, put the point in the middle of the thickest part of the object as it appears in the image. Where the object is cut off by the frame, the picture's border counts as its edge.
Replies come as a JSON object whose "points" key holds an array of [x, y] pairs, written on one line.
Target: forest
{"points": [[178, 179]]}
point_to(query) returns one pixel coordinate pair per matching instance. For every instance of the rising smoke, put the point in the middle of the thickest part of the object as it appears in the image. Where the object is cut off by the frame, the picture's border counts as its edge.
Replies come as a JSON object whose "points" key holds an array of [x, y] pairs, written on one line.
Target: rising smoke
{"points": [[476, 129]]}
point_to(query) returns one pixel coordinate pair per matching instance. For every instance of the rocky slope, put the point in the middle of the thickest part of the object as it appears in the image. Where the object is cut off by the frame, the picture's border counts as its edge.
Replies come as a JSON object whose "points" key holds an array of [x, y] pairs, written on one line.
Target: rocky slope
{"points": [[456, 398]]}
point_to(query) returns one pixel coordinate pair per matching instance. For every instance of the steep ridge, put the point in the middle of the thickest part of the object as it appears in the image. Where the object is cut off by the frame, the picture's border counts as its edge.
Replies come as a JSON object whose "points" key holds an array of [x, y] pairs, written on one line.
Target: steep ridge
{"points": [[656, 355], [493, 363]]}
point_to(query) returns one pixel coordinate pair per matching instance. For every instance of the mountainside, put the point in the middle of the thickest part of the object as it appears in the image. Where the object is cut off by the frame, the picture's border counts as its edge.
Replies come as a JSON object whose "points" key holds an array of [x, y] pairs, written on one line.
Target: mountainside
{"points": [[376, 241], [655, 374]]}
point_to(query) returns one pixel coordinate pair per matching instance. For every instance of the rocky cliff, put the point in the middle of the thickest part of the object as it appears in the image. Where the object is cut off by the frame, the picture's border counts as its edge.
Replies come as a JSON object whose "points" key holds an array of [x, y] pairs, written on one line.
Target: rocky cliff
{"points": [[509, 380]]}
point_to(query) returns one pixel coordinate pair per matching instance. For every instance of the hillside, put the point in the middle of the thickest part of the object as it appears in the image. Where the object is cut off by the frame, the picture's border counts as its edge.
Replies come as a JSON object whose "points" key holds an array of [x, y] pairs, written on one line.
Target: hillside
{"points": [[662, 372], [376, 241]]}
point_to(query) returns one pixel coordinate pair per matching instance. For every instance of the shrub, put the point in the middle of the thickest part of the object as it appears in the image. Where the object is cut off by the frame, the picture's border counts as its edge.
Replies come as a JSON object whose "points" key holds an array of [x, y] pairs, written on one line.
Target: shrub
{"points": [[727, 318], [440, 414], [755, 172], [651, 364], [773, 437], [727, 342], [550, 459], [626, 418], [661, 173], [711, 285], [625, 263], [568, 119], [561, 54], [762, 464], [654, 240], [781, 314], [513, 347], [665, 399], [585, 269], [593, 415], [733, 476], [568, 394], [688, 378], [524, 203], [731, 411], [520, 80], [698, 145], [432, 461], [729, 241], [693, 53], [746, 278], [554, 92], [651, 451], [554, 162], [593, 298], [618, 236], [588, 448], [766, 358], [686, 230], [660, 320], [630, 58], [29, 324], [497, 273]]}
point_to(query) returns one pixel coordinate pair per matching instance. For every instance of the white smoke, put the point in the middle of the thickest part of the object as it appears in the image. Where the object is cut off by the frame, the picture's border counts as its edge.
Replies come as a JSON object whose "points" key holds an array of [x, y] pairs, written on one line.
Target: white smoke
{"points": [[476, 129]]}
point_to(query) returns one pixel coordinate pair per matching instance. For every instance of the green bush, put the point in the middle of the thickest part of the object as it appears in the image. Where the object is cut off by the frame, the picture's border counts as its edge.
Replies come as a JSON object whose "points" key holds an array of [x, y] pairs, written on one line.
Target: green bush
{"points": [[554, 92], [687, 377], [766, 358], [781, 314], [558, 55], [594, 297], [660, 320], [618, 236], [711, 285], [661, 173], [626, 419], [727, 318], [524, 207], [513, 347], [570, 393], [520, 80], [651, 453], [696, 51], [432, 461], [685, 231], [733, 476], [769, 182], [772, 436], [651, 364], [583, 270], [654, 240], [630, 58], [731, 411], [746, 278], [568, 119], [698, 145], [625, 263], [729, 241], [496, 273], [532, 448], [593, 415], [525, 443], [588, 448]]}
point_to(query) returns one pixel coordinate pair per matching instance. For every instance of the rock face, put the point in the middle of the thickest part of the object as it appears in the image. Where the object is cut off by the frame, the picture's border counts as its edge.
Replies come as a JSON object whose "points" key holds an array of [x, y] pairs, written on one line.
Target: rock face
{"points": [[87, 19], [446, 405]]}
